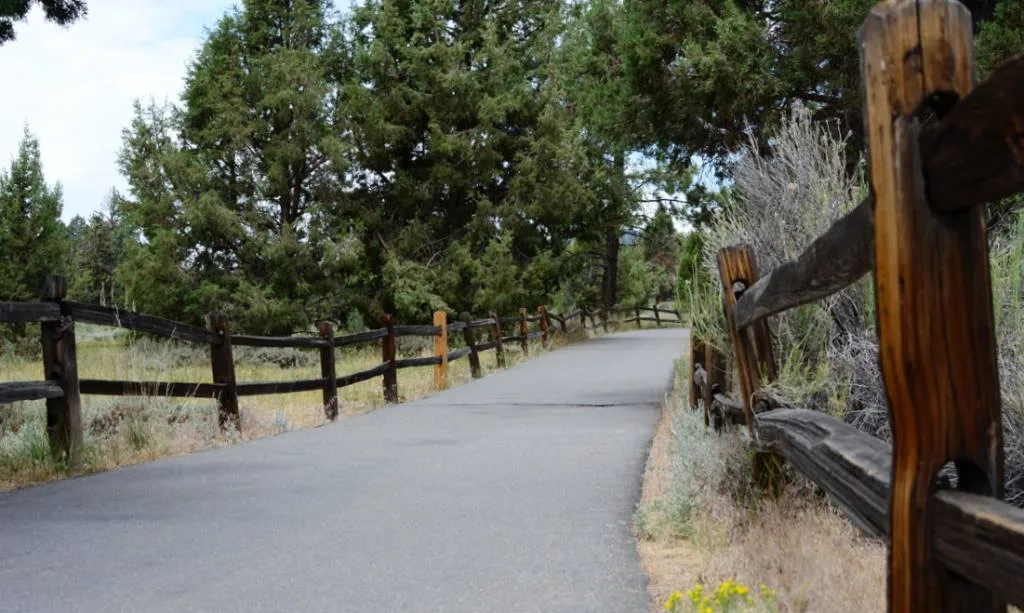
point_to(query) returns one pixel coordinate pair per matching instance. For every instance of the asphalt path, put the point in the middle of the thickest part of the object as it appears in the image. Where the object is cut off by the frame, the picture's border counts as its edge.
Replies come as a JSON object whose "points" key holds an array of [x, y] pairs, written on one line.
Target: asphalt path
{"points": [[512, 493]]}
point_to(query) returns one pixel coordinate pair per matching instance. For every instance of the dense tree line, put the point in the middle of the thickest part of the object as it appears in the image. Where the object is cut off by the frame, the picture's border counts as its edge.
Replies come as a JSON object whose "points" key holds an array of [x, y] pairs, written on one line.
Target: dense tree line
{"points": [[420, 154]]}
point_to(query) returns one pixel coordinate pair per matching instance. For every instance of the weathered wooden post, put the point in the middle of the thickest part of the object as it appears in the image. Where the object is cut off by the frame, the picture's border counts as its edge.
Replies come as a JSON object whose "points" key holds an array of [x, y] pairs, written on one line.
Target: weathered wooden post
{"points": [[583, 319], [639, 323], [60, 366], [714, 363], [657, 317], [932, 286], [698, 372], [499, 349], [389, 355], [441, 351], [564, 325], [604, 319], [752, 349], [470, 337], [524, 331], [752, 346], [328, 371], [542, 312], [222, 363]]}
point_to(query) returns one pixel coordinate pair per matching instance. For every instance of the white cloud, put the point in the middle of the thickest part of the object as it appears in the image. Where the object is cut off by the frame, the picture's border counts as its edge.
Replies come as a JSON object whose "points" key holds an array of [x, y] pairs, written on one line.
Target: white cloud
{"points": [[74, 87]]}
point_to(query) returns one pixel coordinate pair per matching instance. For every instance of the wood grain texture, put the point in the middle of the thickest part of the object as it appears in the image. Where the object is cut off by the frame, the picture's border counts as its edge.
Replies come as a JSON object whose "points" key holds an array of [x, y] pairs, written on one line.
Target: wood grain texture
{"points": [[524, 332], [851, 466], [458, 354], [499, 343], [60, 366], [28, 312], [269, 388], [976, 153], [752, 346], [291, 342], [118, 318], [697, 357], [389, 355], [416, 362], [441, 351], [327, 370], [836, 259], [981, 539], [545, 323], [934, 304], [714, 363], [470, 339], [158, 389], [365, 337], [21, 391], [222, 363]]}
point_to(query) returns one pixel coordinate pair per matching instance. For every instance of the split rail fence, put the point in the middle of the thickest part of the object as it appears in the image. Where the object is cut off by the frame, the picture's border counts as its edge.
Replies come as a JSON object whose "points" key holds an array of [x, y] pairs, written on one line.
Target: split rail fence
{"points": [[62, 388], [939, 150]]}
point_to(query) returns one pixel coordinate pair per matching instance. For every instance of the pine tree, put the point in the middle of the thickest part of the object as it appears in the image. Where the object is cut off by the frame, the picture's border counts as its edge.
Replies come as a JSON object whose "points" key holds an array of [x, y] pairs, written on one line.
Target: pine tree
{"points": [[33, 240]]}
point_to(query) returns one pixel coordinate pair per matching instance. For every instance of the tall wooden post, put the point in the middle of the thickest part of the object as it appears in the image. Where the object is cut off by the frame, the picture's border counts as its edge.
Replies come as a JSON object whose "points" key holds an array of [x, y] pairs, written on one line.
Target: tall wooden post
{"points": [[470, 337], [752, 346], [639, 323], [499, 350], [60, 366], [657, 317], [441, 351], [223, 365], [932, 287], [698, 372], [524, 332], [328, 371], [544, 337], [564, 325], [389, 355], [714, 363]]}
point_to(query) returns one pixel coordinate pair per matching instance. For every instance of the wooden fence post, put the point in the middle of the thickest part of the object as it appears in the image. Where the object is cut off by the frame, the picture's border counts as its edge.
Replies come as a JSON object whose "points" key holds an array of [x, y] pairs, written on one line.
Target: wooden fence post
{"points": [[934, 300], [441, 351], [499, 350], [389, 355], [470, 337], [714, 363], [752, 346], [604, 319], [544, 336], [60, 365], [524, 331], [698, 372], [328, 371], [222, 363], [583, 319], [657, 317], [639, 323]]}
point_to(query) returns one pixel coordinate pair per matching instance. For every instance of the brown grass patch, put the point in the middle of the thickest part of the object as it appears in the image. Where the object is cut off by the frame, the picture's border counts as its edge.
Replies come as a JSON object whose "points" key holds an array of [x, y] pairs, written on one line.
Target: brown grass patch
{"points": [[698, 522]]}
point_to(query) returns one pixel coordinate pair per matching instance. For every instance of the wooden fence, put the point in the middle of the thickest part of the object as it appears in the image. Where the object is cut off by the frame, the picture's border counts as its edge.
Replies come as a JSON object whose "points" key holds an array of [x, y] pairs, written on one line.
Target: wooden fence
{"points": [[62, 388], [923, 235]]}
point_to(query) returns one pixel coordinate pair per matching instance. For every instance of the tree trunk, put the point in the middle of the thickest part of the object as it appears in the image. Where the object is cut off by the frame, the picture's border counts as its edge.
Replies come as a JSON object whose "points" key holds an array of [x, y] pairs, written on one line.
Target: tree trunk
{"points": [[610, 283]]}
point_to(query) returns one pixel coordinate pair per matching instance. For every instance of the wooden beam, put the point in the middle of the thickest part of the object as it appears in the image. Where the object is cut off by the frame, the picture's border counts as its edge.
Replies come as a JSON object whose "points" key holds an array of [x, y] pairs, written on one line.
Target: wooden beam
{"points": [[60, 367], [28, 312], [976, 153], [836, 259], [327, 370], [441, 351], [22, 391], [936, 331]]}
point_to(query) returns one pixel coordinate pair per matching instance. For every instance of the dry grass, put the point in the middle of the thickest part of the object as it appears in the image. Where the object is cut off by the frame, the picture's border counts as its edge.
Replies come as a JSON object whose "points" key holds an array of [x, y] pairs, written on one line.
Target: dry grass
{"points": [[125, 431], [698, 522]]}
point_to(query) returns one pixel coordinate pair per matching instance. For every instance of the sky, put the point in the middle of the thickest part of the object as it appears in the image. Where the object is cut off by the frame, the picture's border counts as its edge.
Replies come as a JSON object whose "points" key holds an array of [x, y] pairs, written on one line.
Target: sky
{"points": [[74, 86]]}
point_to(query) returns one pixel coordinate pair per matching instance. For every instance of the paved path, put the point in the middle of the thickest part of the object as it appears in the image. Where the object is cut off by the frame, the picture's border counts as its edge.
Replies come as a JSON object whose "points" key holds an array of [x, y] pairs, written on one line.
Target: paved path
{"points": [[513, 493]]}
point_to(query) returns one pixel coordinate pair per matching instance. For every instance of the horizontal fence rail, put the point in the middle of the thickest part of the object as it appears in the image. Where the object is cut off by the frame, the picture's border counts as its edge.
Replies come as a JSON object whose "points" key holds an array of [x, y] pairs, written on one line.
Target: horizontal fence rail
{"points": [[57, 316], [954, 545]]}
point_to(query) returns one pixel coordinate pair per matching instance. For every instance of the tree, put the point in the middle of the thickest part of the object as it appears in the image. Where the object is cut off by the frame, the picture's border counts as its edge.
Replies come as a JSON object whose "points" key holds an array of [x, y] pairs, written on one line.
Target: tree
{"points": [[232, 192], [702, 71], [460, 137], [61, 12], [33, 240], [99, 246]]}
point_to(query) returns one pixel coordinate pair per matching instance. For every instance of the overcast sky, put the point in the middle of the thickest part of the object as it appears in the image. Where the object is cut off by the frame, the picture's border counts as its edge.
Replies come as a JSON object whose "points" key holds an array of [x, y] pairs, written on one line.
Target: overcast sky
{"points": [[74, 87]]}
